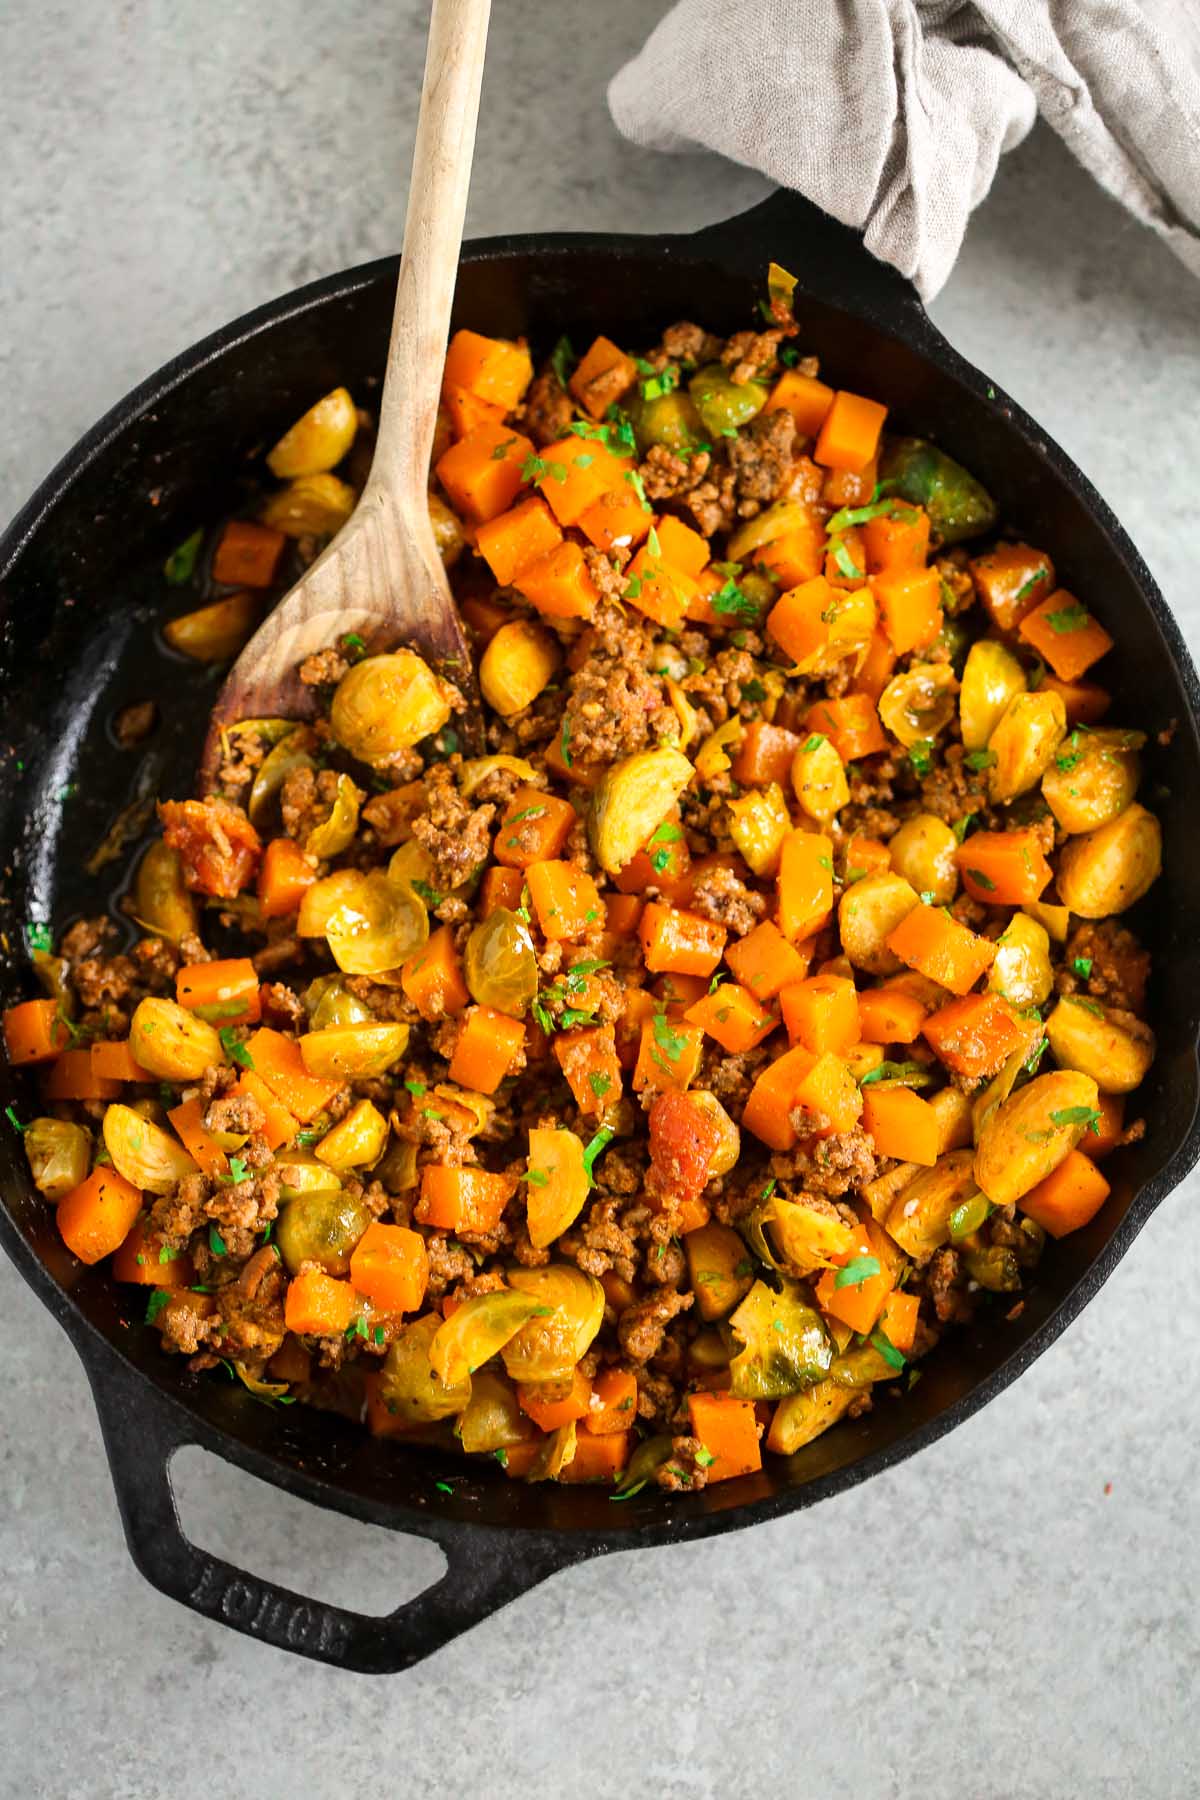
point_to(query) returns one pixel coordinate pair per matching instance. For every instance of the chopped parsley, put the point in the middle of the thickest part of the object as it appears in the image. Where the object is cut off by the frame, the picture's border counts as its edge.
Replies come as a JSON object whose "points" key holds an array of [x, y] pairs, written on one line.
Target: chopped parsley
{"points": [[895, 1359], [962, 826], [666, 833], [731, 601], [768, 1190], [671, 1043], [981, 880], [235, 1051], [813, 743], [502, 450], [10, 1113], [357, 1328], [979, 759], [860, 1269], [599, 1083], [564, 742], [536, 1177], [635, 482], [562, 360], [37, 938], [597, 1147], [155, 1304], [1069, 618], [1082, 965], [861, 515], [1086, 1116], [181, 564], [845, 563], [167, 1254], [1026, 588], [891, 1071], [920, 755], [216, 1242], [354, 643], [663, 381]]}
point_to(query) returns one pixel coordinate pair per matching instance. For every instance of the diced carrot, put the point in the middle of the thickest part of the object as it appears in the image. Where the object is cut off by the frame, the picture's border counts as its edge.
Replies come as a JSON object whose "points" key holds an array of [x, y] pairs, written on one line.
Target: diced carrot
{"points": [[805, 884], [223, 993], [901, 1123], [807, 399], [575, 472], [277, 1061], [465, 1199], [764, 961], [96, 1217], [279, 1125], [794, 557], [821, 1013], [115, 1062], [681, 943], [467, 410], [617, 520], [145, 1265], [898, 1320], [851, 724], [930, 941], [909, 602], [1111, 1108], [858, 1303], [515, 539], [318, 1305], [849, 436], [897, 540], [1003, 868], [601, 376], [668, 1055], [482, 472], [622, 912], [1068, 1198], [559, 585], [876, 668], [1064, 632], [765, 754], [974, 1035], [612, 1406], [1086, 703], [680, 546], [597, 1458], [432, 977], [866, 856], [534, 829], [72, 1076], [850, 487], [888, 1016], [487, 1048], [247, 555], [588, 1060], [284, 877], [201, 1146], [728, 1429], [34, 1032], [733, 1017], [501, 887], [661, 592], [550, 1410], [1011, 580], [390, 1266], [565, 900], [491, 368]]}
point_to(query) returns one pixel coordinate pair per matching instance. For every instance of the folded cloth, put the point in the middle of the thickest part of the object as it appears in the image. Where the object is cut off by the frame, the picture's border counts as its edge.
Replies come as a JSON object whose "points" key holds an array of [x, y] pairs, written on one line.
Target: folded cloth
{"points": [[892, 114]]}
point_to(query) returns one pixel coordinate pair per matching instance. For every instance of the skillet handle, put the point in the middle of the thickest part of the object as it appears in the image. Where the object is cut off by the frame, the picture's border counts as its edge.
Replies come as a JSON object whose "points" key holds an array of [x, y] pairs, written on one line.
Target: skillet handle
{"points": [[830, 260], [142, 1433]]}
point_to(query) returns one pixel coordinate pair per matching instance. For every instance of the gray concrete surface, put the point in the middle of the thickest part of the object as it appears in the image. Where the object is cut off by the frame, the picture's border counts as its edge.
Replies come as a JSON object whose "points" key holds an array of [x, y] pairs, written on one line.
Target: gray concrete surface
{"points": [[988, 1620]]}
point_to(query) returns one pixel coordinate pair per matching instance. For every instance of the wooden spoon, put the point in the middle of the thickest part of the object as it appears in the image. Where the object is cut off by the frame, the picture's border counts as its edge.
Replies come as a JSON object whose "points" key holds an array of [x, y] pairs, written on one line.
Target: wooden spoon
{"points": [[382, 575]]}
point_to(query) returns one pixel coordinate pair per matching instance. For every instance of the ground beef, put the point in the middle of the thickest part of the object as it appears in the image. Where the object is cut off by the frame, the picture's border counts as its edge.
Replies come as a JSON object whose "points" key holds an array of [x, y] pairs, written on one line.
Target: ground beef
{"points": [[749, 354], [157, 962], [947, 1283], [1120, 968], [616, 705], [448, 1263], [85, 937], [734, 1076], [249, 1321], [720, 895], [642, 1326], [829, 1165], [239, 1113], [104, 980], [952, 792], [324, 668], [548, 410], [305, 800], [700, 486], [608, 577], [686, 1469], [133, 724], [761, 458], [455, 833], [390, 815], [688, 343], [282, 1009], [601, 1241]]}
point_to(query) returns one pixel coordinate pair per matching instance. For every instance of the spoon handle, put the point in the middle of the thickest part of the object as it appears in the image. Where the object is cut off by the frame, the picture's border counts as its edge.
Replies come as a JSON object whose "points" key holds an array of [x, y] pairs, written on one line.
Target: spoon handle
{"points": [[437, 205]]}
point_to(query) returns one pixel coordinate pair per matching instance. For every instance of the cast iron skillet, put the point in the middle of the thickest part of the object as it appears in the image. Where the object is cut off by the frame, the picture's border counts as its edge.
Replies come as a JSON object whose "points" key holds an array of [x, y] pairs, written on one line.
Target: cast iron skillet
{"points": [[80, 591]]}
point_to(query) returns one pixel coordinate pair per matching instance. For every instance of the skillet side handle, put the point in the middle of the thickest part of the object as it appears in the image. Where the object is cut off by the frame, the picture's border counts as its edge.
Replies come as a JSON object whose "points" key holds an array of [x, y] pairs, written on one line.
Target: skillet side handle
{"points": [[141, 1435], [830, 260]]}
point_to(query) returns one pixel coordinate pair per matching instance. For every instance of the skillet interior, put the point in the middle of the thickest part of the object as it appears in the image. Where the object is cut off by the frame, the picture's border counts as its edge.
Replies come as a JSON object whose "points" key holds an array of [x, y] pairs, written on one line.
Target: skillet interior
{"points": [[81, 591]]}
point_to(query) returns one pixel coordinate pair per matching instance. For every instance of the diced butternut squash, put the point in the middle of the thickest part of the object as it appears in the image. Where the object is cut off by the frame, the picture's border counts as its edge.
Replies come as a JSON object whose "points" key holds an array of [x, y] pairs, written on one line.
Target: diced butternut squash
{"points": [[728, 1429], [588, 1060], [909, 606], [764, 962], [1064, 633], [733, 1017], [805, 884], [432, 978], [679, 942], [491, 368], [535, 828], [277, 1061], [574, 472], [1003, 868], [558, 584], [821, 1013], [668, 1054], [565, 900], [482, 472], [973, 1036], [463, 1199], [487, 1050], [849, 434], [612, 1406], [1068, 1198], [514, 540], [851, 724], [807, 399], [901, 1123], [929, 940], [601, 376]]}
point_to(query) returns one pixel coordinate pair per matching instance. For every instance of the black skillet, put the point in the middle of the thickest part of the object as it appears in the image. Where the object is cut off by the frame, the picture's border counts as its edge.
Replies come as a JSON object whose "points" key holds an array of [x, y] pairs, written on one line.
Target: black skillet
{"points": [[80, 592]]}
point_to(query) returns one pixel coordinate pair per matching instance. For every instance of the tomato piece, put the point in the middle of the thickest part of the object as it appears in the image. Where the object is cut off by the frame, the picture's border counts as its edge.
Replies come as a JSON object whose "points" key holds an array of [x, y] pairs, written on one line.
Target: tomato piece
{"points": [[217, 844], [683, 1141]]}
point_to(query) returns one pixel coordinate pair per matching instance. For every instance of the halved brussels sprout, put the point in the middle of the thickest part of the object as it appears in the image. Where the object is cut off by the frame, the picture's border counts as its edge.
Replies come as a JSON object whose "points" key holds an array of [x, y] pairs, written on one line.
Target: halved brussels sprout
{"points": [[215, 633], [1093, 778], [1002, 1084], [172, 1043], [685, 712], [784, 1345], [994, 1267], [718, 1267], [293, 751], [670, 420], [924, 851], [1022, 972], [412, 866], [1114, 1048], [328, 1002], [162, 902], [335, 832], [59, 1156], [729, 1146], [411, 1387], [1024, 742], [386, 704], [712, 758], [868, 912], [819, 778], [518, 663], [53, 977], [644, 1464], [806, 1239], [1105, 871], [632, 800], [321, 1225], [500, 964], [324, 898], [448, 533], [397, 1167], [318, 440], [758, 823], [356, 1141], [958, 506], [557, 1183], [1028, 1135], [570, 1310], [799, 1418], [310, 506], [493, 1418], [723, 404], [353, 1052], [377, 928], [476, 1331], [918, 704], [554, 1454], [919, 1220], [142, 1152], [851, 618], [300, 1172], [991, 680]]}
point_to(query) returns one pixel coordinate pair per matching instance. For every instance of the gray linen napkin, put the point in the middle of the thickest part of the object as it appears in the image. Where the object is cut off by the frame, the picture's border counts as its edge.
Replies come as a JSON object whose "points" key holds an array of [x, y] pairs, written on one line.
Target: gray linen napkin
{"points": [[892, 114]]}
